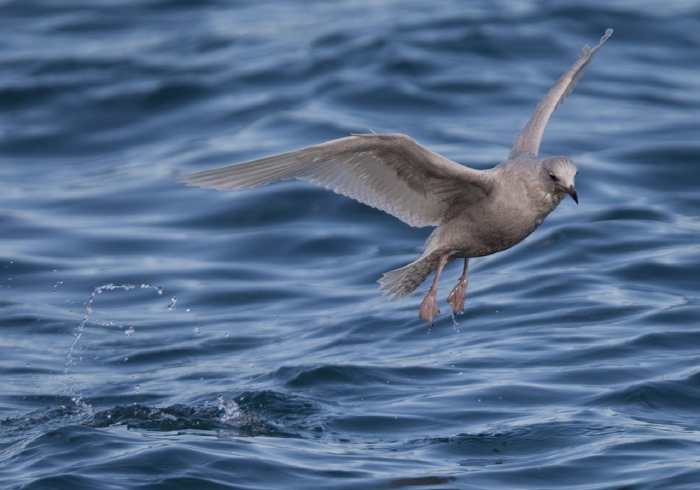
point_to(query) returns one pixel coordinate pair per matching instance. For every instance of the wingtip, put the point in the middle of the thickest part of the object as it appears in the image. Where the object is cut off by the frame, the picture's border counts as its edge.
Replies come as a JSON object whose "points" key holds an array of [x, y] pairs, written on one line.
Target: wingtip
{"points": [[187, 180], [195, 180], [587, 49]]}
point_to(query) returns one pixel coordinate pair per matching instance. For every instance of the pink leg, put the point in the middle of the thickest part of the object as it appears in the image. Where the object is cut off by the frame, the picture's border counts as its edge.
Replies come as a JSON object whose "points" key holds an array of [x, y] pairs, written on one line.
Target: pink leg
{"points": [[456, 297], [429, 307]]}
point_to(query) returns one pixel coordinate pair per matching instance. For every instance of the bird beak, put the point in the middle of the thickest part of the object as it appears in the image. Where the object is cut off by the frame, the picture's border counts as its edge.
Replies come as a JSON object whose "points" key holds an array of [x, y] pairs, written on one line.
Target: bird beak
{"points": [[572, 192]]}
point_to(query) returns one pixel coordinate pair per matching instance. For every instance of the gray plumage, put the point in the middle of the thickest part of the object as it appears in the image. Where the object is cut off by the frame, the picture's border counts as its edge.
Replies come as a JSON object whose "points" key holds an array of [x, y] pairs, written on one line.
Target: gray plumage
{"points": [[477, 212]]}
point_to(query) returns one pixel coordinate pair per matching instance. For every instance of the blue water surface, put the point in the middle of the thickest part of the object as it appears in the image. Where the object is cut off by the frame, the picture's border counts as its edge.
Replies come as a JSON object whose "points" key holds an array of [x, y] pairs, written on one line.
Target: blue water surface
{"points": [[159, 336]]}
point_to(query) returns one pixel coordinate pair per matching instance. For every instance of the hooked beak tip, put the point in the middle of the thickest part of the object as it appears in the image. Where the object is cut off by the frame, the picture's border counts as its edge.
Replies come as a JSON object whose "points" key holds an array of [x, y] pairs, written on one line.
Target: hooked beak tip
{"points": [[572, 192]]}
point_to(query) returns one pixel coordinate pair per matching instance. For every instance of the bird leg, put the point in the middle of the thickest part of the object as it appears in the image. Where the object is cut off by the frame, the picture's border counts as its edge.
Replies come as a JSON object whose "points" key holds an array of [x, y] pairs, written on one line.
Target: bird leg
{"points": [[429, 307], [456, 297]]}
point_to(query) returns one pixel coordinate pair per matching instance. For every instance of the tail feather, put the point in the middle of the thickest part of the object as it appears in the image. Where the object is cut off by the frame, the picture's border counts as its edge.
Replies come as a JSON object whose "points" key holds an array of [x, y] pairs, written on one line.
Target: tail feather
{"points": [[402, 282]]}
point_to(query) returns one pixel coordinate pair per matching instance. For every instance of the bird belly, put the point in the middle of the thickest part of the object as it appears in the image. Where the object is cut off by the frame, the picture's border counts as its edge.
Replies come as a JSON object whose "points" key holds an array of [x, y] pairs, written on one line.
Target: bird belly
{"points": [[473, 236]]}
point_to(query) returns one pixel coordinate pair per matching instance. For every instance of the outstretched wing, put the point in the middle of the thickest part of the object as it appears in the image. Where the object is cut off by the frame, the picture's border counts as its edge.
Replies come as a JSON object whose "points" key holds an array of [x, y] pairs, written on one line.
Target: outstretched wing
{"points": [[390, 172], [527, 142]]}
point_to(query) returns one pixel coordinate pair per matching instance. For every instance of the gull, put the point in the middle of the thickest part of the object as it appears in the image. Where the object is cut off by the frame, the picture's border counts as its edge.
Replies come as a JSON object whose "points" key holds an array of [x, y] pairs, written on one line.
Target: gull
{"points": [[476, 212]]}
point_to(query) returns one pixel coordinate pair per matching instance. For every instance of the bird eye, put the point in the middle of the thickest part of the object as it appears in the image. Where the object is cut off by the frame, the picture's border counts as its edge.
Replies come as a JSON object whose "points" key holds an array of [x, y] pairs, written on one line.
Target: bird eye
{"points": [[553, 177]]}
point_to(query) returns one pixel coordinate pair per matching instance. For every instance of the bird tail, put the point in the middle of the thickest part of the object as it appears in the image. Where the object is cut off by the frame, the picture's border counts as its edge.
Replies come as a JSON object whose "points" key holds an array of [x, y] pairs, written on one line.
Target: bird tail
{"points": [[402, 282]]}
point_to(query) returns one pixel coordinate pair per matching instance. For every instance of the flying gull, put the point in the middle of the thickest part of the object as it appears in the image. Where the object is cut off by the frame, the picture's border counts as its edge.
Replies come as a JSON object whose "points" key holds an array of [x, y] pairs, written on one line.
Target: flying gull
{"points": [[477, 212]]}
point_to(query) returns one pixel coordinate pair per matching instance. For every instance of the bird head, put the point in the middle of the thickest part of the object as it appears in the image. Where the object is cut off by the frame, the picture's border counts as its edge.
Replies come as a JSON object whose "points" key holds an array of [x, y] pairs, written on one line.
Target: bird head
{"points": [[559, 173]]}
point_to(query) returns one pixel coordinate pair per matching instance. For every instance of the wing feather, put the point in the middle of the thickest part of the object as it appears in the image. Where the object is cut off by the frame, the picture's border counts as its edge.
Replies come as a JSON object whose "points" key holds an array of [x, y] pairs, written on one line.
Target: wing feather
{"points": [[390, 172], [527, 142]]}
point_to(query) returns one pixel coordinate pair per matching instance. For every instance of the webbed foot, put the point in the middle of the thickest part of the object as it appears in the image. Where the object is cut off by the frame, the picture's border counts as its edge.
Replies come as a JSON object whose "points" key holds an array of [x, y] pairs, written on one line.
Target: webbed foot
{"points": [[429, 308]]}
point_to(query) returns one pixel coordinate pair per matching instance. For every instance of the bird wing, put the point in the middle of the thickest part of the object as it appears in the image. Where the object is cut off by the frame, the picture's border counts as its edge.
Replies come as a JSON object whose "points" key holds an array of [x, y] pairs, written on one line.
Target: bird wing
{"points": [[527, 142], [390, 172]]}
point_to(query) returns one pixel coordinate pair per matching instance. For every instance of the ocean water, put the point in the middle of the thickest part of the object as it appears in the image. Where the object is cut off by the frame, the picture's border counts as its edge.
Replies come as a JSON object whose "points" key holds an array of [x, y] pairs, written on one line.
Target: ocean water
{"points": [[157, 336]]}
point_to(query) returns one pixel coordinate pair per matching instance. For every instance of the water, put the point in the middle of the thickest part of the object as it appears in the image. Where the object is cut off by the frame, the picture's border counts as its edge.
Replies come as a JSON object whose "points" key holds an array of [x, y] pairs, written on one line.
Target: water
{"points": [[159, 336]]}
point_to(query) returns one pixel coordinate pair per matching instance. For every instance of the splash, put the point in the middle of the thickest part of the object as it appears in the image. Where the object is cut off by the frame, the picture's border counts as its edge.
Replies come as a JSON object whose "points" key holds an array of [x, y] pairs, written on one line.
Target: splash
{"points": [[71, 358], [231, 412]]}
